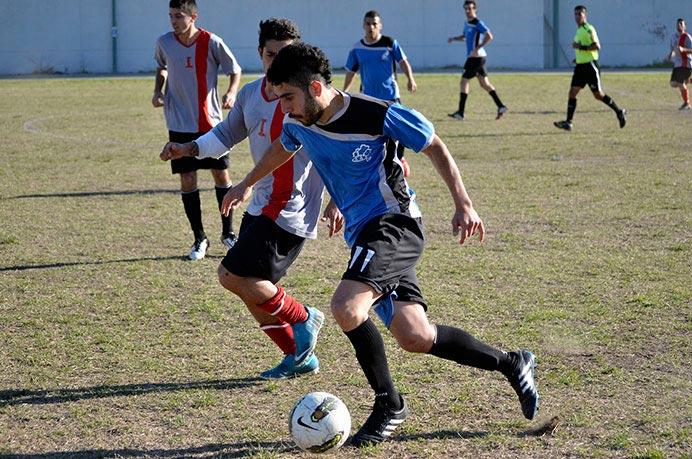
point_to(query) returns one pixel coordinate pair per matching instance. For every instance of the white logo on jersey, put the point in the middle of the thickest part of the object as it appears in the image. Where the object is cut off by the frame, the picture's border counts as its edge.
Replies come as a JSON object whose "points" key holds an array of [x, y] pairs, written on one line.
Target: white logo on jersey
{"points": [[385, 56], [368, 257], [362, 153]]}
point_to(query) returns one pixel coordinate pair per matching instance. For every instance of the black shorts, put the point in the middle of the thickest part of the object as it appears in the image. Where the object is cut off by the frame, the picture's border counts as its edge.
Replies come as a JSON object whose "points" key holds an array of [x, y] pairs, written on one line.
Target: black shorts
{"points": [[587, 74], [681, 75], [473, 67], [263, 249], [384, 256], [189, 164]]}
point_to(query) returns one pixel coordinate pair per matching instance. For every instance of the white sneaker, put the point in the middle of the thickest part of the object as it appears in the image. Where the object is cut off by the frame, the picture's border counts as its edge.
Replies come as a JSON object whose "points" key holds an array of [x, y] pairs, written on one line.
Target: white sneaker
{"points": [[199, 249]]}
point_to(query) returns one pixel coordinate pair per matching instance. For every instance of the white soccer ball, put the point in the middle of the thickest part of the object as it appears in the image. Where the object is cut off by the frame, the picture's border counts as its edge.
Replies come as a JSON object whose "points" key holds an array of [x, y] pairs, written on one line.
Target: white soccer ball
{"points": [[319, 422]]}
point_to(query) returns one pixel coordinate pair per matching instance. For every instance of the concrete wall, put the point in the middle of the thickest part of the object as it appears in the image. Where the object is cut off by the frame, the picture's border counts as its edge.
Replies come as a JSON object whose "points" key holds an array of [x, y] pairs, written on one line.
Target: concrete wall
{"points": [[74, 36]]}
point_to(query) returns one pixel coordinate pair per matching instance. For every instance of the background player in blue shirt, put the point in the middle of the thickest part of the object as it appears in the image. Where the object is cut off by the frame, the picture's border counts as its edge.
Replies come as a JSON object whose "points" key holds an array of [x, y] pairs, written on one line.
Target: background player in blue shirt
{"points": [[345, 136], [477, 36], [375, 57]]}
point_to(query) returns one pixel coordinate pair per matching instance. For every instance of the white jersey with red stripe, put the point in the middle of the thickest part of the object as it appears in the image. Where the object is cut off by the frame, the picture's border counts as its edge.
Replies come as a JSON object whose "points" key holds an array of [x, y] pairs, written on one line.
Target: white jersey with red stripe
{"points": [[681, 59], [292, 194], [191, 98]]}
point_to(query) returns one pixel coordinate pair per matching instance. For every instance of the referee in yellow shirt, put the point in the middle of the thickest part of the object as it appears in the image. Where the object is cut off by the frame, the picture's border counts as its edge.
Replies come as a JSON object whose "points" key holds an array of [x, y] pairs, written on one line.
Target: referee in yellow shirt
{"points": [[586, 48]]}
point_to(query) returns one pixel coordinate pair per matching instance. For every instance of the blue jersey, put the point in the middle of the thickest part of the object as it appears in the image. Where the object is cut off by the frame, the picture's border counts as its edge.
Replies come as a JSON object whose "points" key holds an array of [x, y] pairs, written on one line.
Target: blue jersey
{"points": [[474, 31], [354, 154], [377, 65]]}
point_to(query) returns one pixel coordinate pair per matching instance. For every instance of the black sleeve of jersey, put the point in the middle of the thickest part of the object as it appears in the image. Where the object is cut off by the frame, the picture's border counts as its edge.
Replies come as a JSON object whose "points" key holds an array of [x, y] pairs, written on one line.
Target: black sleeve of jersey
{"points": [[365, 115]]}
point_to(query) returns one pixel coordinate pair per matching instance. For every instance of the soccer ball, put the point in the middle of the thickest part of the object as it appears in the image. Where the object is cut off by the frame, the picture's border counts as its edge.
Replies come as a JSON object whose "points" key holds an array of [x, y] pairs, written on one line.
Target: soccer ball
{"points": [[319, 422]]}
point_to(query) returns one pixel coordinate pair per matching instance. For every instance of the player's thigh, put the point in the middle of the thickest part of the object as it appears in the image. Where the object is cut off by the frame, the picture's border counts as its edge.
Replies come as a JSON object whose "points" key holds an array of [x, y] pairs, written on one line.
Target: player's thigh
{"points": [[263, 249], [351, 302]]}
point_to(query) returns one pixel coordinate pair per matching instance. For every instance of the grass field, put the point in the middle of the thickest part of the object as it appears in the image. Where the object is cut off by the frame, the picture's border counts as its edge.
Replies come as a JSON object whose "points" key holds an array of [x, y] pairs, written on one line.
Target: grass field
{"points": [[112, 344]]}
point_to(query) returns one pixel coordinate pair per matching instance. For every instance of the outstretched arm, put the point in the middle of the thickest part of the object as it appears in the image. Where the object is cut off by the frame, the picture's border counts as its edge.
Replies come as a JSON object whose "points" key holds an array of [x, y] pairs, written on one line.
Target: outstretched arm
{"points": [[465, 220], [273, 158]]}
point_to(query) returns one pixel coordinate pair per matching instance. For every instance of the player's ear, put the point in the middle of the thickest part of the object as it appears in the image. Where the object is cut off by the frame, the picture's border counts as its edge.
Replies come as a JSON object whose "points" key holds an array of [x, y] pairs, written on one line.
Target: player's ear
{"points": [[315, 88]]}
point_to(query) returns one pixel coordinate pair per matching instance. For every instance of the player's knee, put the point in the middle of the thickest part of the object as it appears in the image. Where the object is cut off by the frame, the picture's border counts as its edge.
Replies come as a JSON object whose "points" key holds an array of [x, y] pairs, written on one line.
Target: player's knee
{"points": [[226, 279], [415, 342], [346, 316]]}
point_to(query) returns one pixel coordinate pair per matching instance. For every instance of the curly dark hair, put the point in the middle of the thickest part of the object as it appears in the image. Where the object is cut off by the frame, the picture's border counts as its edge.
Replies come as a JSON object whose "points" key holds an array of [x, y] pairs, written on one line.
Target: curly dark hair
{"points": [[279, 29], [298, 64]]}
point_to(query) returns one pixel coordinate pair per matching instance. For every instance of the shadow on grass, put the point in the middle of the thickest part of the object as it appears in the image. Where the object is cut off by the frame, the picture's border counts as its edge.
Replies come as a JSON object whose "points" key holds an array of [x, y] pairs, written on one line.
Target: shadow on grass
{"points": [[100, 262], [229, 450], [45, 397], [89, 194]]}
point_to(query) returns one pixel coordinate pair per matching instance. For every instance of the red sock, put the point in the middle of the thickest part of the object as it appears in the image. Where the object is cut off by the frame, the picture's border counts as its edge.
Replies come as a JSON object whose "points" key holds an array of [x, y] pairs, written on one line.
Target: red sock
{"points": [[282, 335], [285, 307], [686, 95]]}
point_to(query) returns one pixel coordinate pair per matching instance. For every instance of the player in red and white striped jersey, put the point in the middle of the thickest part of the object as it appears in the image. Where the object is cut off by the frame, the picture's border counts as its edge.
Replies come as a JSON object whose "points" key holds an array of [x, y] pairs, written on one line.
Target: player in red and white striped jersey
{"points": [[188, 60], [283, 213], [681, 55]]}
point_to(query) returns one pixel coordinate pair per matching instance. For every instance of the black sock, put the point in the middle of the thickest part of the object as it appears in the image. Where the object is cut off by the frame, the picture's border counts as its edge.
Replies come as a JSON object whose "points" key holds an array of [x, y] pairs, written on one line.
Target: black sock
{"points": [[193, 210], [459, 346], [611, 103], [369, 346], [462, 103], [571, 107], [495, 97], [226, 222]]}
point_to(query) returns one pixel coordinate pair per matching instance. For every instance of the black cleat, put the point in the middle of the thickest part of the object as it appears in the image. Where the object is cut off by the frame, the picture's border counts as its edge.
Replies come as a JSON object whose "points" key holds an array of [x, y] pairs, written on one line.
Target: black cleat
{"points": [[622, 117], [380, 424], [566, 125], [521, 376]]}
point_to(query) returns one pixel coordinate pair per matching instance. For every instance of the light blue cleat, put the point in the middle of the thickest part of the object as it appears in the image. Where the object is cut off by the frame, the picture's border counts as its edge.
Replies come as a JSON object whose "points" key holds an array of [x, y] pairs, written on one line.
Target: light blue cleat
{"points": [[286, 369], [305, 335]]}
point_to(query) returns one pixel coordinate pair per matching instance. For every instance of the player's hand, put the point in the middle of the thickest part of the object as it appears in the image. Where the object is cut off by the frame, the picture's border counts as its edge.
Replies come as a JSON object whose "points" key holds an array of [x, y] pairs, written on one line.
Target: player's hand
{"points": [[235, 196], [576, 45], [173, 150], [466, 223], [157, 100], [334, 217], [412, 86], [228, 100]]}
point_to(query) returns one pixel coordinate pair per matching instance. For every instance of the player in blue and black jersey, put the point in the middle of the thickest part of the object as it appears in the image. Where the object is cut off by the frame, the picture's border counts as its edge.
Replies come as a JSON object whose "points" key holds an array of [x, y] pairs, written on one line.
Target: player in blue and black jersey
{"points": [[376, 57], [346, 136], [476, 35]]}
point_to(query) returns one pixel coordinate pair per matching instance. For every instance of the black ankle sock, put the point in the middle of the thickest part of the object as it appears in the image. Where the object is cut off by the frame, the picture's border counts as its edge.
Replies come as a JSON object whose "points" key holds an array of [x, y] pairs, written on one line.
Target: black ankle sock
{"points": [[496, 98], [462, 103], [459, 346], [370, 352], [226, 222], [571, 107], [193, 210], [611, 103]]}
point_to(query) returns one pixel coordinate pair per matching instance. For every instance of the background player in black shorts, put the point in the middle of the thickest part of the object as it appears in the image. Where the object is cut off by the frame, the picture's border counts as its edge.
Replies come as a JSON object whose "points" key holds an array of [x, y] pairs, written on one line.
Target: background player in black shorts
{"points": [[587, 71], [476, 35]]}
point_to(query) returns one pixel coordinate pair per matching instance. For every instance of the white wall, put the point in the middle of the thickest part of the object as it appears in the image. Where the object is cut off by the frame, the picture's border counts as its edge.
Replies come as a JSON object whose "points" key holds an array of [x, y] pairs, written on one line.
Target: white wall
{"points": [[74, 36]]}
